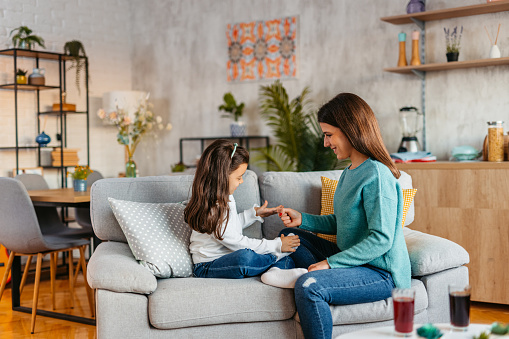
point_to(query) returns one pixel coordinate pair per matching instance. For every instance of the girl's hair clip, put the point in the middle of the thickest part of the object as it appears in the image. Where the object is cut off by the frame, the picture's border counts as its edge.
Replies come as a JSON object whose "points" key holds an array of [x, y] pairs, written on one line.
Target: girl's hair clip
{"points": [[234, 149]]}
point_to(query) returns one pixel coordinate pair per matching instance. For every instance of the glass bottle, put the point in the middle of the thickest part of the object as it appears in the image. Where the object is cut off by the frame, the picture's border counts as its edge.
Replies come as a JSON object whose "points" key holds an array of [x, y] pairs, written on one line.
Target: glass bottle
{"points": [[402, 50], [495, 141]]}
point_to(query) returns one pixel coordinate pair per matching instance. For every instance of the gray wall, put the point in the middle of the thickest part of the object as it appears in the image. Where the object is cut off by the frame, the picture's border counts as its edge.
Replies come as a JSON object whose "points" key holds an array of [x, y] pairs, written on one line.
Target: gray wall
{"points": [[344, 46], [176, 49]]}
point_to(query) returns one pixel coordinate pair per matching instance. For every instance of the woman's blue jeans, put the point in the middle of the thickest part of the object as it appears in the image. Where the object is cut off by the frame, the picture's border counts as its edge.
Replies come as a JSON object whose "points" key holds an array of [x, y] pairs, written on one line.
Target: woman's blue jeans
{"points": [[314, 291], [240, 264]]}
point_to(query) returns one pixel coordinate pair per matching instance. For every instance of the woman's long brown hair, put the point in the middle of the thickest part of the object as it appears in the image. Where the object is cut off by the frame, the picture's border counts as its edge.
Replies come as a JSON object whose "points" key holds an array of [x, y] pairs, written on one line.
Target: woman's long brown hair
{"points": [[208, 208], [356, 120]]}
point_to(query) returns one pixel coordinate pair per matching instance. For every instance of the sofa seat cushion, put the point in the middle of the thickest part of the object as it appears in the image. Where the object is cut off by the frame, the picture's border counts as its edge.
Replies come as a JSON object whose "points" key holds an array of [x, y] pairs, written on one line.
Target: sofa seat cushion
{"points": [[187, 302], [377, 311]]}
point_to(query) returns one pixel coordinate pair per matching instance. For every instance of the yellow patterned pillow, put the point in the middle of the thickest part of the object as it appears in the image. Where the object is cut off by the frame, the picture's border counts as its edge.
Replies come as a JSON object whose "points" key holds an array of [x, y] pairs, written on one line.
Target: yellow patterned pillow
{"points": [[328, 190]]}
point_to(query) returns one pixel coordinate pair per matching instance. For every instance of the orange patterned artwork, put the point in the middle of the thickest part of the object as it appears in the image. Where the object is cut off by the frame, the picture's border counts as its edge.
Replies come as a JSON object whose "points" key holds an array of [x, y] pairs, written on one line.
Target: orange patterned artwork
{"points": [[262, 50]]}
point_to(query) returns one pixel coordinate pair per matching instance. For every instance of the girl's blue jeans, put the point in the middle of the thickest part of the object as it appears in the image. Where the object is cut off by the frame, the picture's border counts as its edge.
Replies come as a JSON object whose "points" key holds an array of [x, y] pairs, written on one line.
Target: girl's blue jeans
{"points": [[240, 264], [314, 291]]}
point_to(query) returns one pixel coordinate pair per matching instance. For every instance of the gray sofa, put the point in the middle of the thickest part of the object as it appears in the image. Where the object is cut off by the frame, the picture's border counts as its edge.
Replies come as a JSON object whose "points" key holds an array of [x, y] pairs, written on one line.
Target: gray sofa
{"points": [[132, 303]]}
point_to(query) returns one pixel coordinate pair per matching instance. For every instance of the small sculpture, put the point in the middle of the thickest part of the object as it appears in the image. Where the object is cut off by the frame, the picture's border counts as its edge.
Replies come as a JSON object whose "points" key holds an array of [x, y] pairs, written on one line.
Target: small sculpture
{"points": [[429, 331]]}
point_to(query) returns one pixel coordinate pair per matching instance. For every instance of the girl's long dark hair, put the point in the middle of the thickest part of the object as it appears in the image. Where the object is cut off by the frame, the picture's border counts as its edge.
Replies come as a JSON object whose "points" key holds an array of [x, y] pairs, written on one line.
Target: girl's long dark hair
{"points": [[356, 120], [208, 208]]}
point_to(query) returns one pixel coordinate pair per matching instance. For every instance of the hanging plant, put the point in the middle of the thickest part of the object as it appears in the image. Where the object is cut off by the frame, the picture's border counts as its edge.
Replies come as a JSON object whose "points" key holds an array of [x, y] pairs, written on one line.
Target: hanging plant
{"points": [[76, 50]]}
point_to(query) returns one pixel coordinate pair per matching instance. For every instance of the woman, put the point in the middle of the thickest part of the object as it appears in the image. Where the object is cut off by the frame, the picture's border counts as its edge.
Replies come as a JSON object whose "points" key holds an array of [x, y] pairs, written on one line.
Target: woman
{"points": [[370, 257]]}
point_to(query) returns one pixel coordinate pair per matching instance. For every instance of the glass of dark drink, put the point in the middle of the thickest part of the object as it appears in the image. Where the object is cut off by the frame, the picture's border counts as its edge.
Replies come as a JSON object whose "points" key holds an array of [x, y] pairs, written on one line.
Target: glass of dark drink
{"points": [[403, 300], [459, 306]]}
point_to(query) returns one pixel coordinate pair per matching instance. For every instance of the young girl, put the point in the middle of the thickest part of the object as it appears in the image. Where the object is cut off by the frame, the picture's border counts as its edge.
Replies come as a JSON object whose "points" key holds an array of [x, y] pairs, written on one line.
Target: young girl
{"points": [[218, 247], [370, 257]]}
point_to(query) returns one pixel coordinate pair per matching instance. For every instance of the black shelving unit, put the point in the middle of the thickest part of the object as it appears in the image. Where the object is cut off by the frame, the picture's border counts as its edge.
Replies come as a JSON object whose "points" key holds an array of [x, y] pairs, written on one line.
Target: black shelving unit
{"points": [[61, 115]]}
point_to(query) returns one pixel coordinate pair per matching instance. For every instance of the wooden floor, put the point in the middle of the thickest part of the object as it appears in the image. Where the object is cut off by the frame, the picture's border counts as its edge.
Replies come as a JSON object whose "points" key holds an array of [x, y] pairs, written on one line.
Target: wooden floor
{"points": [[16, 325]]}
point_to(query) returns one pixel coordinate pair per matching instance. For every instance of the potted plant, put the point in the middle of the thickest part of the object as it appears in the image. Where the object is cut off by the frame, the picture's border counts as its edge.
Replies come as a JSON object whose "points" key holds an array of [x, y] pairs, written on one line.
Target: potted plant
{"points": [[76, 50], [299, 139], [79, 177], [23, 38], [21, 76], [234, 111], [452, 43]]}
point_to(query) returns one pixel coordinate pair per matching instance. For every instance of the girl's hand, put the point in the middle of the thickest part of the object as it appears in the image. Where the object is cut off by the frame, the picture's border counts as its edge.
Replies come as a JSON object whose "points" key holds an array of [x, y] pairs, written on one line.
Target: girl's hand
{"points": [[263, 211], [321, 265], [289, 242], [290, 217]]}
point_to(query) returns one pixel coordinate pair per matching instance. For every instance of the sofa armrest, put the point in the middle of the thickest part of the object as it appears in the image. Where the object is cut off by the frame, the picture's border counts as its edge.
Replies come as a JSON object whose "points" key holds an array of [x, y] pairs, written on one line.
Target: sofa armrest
{"points": [[113, 267], [431, 254]]}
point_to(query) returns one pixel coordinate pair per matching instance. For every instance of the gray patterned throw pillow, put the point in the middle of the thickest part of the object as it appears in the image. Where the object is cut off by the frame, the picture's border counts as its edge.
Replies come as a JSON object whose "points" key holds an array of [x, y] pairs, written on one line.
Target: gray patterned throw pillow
{"points": [[157, 235]]}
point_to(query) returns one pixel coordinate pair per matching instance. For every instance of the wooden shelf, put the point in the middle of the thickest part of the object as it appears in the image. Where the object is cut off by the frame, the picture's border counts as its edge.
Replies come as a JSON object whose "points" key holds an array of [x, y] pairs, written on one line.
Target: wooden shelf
{"points": [[449, 65], [23, 87], [455, 165], [35, 54], [492, 7]]}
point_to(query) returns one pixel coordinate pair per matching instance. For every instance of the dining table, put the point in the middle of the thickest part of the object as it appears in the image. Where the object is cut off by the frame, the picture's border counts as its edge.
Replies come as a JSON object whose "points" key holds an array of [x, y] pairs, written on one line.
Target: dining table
{"points": [[59, 197]]}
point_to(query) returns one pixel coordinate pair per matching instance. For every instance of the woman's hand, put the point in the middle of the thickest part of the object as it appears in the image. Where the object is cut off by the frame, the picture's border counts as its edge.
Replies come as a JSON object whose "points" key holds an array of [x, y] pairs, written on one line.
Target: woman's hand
{"points": [[263, 211], [290, 217], [289, 243], [321, 265]]}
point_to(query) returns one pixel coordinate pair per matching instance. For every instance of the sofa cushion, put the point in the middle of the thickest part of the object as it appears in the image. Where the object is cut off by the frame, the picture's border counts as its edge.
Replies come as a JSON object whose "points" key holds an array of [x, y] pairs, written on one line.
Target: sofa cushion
{"points": [[187, 302], [376, 311], [430, 254], [157, 235], [302, 191], [158, 189], [113, 267], [327, 201]]}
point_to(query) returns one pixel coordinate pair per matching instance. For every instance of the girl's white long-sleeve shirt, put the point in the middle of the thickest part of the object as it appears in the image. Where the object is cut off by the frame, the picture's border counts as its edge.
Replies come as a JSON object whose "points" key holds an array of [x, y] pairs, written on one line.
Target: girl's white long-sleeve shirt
{"points": [[206, 247]]}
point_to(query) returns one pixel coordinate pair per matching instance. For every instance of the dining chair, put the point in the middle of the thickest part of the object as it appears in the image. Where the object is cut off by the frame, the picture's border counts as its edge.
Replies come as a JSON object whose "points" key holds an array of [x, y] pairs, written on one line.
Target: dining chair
{"points": [[20, 232], [49, 218], [82, 214]]}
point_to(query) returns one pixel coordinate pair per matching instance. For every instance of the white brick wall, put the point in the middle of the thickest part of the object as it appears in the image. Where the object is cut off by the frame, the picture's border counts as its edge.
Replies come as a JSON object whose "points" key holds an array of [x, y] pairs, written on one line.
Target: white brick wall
{"points": [[104, 29]]}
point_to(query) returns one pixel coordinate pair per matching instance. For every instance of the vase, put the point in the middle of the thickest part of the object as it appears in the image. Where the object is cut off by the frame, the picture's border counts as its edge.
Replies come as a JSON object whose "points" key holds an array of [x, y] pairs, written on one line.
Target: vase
{"points": [[37, 77], [21, 79], [494, 52], [237, 129], [80, 185], [130, 168], [415, 6], [43, 139], [452, 56]]}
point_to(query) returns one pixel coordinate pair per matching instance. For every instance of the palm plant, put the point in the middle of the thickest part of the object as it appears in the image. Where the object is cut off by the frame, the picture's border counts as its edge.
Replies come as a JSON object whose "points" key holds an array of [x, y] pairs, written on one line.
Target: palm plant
{"points": [[25, 39], [299, 145]]}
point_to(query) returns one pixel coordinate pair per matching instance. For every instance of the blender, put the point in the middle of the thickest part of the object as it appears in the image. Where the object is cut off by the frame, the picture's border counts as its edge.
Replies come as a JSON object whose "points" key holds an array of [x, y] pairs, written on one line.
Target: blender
{"points": [[409, 119]]}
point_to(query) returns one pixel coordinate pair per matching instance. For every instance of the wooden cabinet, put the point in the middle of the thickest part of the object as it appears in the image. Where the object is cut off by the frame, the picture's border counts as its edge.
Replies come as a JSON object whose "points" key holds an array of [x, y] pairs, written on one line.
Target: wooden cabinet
{"points": [[468, 203]]}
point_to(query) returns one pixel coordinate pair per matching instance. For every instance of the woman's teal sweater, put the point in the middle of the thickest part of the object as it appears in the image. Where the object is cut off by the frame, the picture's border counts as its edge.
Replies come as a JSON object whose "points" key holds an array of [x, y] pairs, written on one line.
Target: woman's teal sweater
{"points": [[368, 209]]}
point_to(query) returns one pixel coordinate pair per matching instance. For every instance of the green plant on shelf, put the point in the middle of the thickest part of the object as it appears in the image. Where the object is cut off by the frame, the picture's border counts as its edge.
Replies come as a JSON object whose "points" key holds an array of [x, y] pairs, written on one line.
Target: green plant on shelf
{"points": [[21, 72], [76, 50], [230, 106], [23, 38]]}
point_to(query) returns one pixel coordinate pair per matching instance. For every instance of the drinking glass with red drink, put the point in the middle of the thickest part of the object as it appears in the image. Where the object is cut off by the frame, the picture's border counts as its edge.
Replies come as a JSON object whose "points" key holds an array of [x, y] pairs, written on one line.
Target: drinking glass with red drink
{"points": [[403, 300], [459, 306]]}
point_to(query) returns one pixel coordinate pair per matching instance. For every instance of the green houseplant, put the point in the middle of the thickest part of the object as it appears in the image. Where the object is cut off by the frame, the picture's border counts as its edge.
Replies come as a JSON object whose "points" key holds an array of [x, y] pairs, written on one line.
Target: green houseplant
{"points": [[234, 111], [79, 177], [299, 139], [23, 38], [21, 76], [76, 50]]}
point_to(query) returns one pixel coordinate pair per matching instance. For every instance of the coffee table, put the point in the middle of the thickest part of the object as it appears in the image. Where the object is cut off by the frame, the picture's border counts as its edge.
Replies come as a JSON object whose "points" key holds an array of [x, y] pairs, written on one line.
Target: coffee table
{"points": [[388, 332]]}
